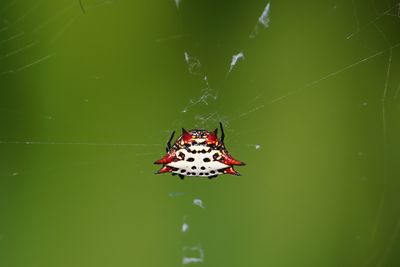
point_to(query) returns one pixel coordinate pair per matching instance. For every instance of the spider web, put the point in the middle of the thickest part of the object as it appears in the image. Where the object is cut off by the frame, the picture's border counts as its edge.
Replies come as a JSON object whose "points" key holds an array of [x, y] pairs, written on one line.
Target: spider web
{"points": [[28, 42]]}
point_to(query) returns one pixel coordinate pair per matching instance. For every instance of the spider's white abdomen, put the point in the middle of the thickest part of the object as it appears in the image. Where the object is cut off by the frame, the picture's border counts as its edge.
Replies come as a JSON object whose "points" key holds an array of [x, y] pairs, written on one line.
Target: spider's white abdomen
{"points": [[198, 160], [198, 153]]}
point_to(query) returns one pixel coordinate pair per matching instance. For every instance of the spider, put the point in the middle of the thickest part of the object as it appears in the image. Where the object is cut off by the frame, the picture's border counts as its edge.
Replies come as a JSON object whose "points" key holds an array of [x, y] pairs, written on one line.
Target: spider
{"points": [[198, 153]]}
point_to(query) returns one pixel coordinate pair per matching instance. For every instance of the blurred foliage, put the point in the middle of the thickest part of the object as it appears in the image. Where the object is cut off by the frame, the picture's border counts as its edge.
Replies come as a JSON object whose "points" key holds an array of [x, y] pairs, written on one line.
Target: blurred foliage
{"points": [[89, 97]]}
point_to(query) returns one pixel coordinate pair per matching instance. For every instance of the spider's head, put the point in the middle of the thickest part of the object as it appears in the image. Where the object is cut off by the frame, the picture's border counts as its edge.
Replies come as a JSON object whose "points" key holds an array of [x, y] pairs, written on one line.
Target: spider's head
{"points": [[196, 136]]}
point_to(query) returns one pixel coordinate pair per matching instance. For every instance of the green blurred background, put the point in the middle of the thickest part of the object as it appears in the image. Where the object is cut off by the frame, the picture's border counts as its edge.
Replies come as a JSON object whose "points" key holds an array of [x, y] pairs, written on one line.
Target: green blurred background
{"points": [[90, 92]]}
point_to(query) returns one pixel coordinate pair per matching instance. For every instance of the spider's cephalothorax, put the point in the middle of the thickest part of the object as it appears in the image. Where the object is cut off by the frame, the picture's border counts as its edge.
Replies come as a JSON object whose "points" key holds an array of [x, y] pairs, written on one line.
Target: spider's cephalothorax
{"points": [[198, 153]]}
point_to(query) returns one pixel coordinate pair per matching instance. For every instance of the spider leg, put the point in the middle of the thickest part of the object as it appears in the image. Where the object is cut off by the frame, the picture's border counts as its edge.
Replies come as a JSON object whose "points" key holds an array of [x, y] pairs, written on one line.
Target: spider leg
{"points": [[169, 141], [212, 176], [181, 176], [222, 132]]}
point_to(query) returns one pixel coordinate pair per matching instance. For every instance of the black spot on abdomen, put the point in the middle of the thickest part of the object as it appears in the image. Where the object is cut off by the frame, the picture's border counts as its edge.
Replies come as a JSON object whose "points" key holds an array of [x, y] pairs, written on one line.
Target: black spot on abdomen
{"points": [[215, 156]]}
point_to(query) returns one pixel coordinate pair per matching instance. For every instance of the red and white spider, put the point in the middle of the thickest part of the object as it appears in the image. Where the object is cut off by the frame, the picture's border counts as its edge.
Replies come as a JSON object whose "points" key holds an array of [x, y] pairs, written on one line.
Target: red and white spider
{"points": [[198, 153]]}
